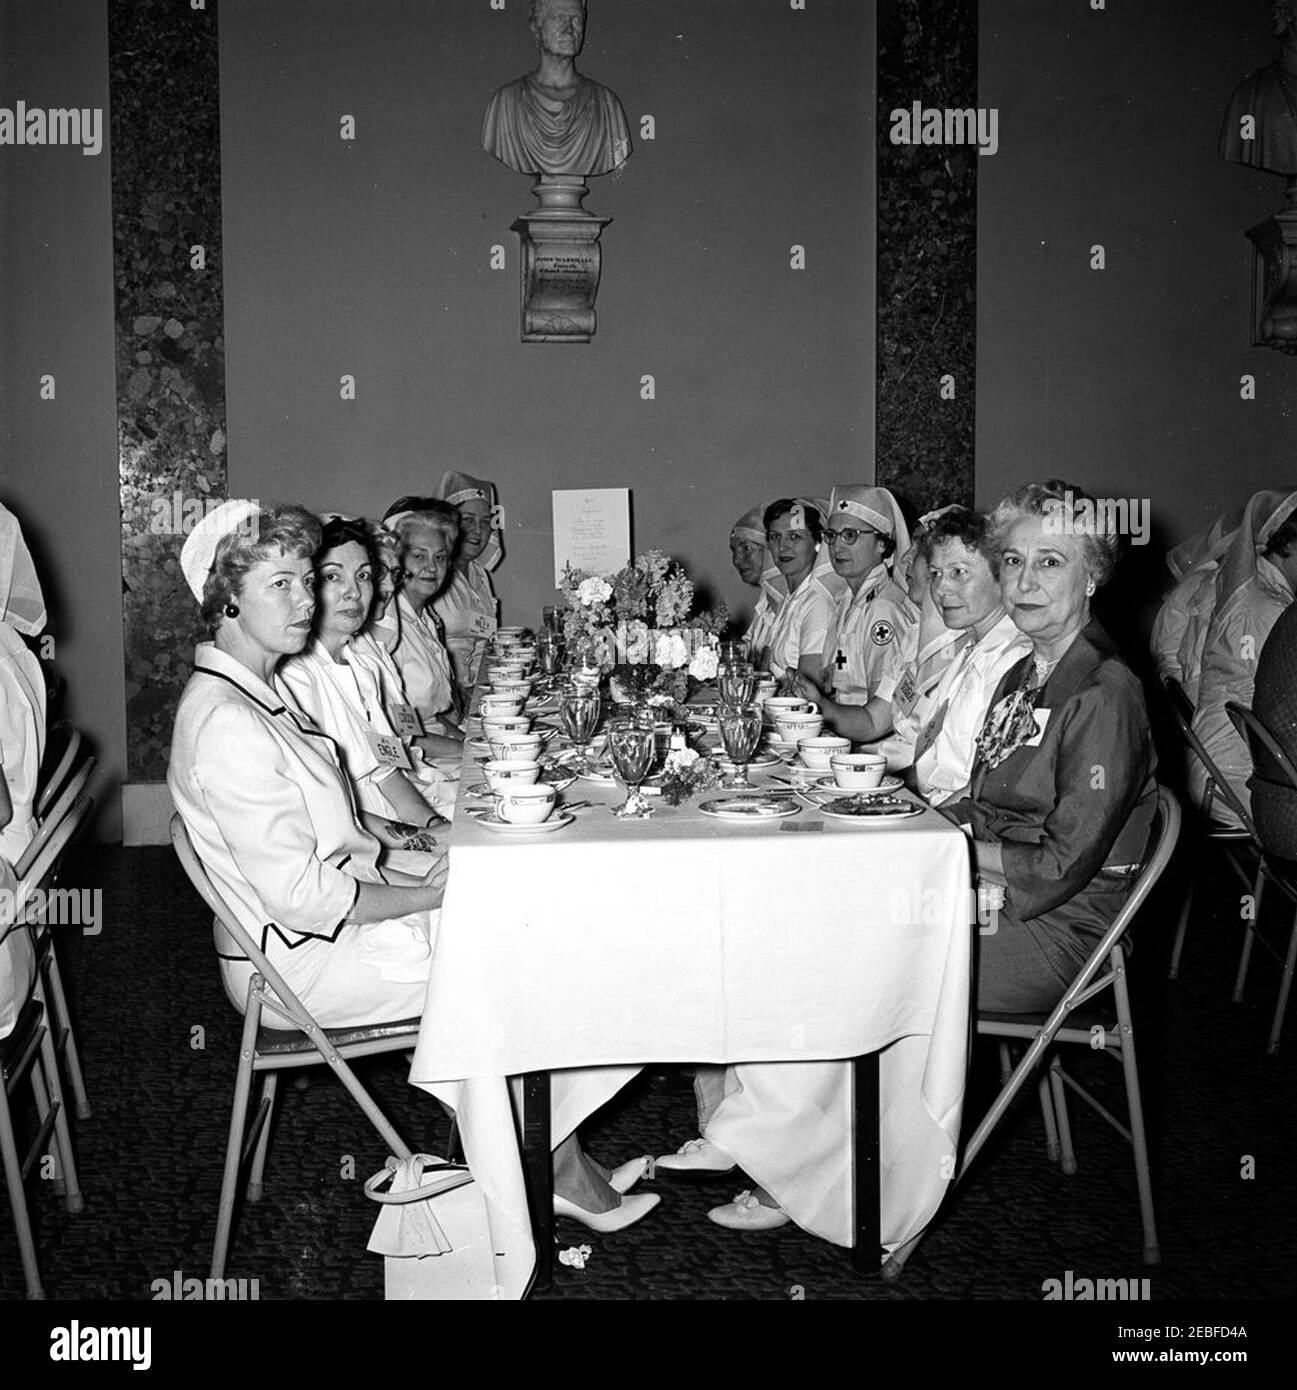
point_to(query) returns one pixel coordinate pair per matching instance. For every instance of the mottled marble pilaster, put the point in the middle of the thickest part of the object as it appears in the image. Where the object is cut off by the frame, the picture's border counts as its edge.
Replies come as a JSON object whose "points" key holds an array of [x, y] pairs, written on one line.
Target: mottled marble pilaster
{"points": [[927, 257], [165, 133]]}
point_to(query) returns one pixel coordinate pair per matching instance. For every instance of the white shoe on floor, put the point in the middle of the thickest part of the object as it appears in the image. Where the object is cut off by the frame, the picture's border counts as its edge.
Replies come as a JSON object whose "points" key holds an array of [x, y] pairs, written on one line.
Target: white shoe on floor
{"points": [[746, 1213], [697, 1156], [622, 1179], [627, 1214]]}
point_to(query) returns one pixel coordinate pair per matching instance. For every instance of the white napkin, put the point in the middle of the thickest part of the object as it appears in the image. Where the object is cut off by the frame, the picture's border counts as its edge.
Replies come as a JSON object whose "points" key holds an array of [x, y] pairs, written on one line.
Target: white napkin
{"points": [[407, 1229]]}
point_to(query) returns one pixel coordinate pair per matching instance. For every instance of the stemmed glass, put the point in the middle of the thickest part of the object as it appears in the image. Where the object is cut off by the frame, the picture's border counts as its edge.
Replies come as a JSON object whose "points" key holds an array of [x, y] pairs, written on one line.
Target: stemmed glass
{"points": [[735, 649], [631, 743], [740, 726], [549, 653], [579, 709], [736, 683]]}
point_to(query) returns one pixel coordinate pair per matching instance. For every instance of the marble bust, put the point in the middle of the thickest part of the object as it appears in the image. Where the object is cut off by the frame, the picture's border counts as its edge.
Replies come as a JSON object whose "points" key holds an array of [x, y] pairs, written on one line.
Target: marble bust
{"points": [[555, 121], [1269, 97]]}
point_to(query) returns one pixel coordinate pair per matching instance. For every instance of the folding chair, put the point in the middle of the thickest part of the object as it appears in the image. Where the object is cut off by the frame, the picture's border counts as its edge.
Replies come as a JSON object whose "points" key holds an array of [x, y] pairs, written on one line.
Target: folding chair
{"points": [[61, 751], [28, 1053], [271, 1050], [1279, 871], [60, 1016], [1242, 847], [1071, 1022]]}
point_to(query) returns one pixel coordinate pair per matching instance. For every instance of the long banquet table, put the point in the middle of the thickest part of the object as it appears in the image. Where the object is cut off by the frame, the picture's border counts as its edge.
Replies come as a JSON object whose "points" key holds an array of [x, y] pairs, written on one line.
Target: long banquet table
{"points": [[588, 951]]}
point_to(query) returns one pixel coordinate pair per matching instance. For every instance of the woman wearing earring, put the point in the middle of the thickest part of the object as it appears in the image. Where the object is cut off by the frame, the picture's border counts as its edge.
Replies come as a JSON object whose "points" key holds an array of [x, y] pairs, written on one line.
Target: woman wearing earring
{"points": [[342, 693], [1059, 809], [794, 536], [270, 813]]}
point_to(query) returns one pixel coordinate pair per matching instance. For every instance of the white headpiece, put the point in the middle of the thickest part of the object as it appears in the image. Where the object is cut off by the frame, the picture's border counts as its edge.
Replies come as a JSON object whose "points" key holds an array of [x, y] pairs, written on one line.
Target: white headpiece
{"points": [[199, 550], [21, 602]]}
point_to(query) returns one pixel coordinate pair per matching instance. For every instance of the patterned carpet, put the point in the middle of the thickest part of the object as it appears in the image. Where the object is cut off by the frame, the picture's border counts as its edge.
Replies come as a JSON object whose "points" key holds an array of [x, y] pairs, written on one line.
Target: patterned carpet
{"points": [[159, 1040]]}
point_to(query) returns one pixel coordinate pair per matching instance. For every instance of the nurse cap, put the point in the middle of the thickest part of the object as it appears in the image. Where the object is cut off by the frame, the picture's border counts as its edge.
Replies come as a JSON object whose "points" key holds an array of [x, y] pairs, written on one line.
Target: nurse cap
{"points": [[750, 526], [457, 487], [199, 550], [876, 507]]}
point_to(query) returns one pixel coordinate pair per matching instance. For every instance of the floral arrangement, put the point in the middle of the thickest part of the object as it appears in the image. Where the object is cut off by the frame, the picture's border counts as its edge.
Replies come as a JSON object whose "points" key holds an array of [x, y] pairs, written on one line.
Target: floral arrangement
{"points": [[688, 772], [641, 616]]}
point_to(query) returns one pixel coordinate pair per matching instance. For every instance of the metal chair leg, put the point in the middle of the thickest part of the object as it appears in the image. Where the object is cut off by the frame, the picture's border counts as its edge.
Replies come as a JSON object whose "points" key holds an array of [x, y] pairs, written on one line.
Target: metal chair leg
{"points": [[1249, 935], [1285, 989], [18, 1198], [234, 1143], [1181, 931], [1067, 1160], [1047, 1115], [71, 1188], [256, 1179], [1135, 1110], [1006, 1064], [61, 1023]]}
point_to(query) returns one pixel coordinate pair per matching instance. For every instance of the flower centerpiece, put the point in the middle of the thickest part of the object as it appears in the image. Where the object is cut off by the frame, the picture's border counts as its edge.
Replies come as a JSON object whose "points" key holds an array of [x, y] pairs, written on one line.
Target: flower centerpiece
{"points": [[639, 627]]}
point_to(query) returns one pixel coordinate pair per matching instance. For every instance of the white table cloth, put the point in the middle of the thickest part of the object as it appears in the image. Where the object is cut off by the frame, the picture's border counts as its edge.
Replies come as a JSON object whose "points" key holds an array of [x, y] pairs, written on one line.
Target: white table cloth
{"points": [[682, 938]]}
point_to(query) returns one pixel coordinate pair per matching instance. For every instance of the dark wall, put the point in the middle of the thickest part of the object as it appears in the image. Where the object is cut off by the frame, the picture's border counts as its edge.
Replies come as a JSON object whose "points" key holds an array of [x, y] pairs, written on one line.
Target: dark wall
{"points": [[1126, 380], [372, 258], [58, 458]]}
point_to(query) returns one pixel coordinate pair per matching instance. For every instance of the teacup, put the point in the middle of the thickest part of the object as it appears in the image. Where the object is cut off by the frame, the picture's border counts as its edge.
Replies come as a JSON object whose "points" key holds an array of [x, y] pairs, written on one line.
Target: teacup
{"points": [[776, 705], [765, 689], [494, 724], [511, 686], [794, 725], [493, 706], [515, 746], [511, 633], [503, 773], [858, 771], [817, 751], [525, 805]]}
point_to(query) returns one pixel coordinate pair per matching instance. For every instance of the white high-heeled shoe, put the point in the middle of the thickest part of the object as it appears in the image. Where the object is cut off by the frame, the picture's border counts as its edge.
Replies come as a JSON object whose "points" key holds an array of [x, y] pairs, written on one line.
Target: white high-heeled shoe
{"points": [[628, 1213], [622, 1179]]}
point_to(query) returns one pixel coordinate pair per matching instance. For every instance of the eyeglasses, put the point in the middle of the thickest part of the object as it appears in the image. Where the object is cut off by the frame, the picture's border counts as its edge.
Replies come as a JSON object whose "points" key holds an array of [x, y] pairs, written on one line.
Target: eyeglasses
{"points": [[848, 534]]}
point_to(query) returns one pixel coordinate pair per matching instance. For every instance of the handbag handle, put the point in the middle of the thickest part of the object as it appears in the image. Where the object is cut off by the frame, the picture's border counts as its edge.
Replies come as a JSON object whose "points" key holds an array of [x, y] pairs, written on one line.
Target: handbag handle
{"points": [[427, 1163]]}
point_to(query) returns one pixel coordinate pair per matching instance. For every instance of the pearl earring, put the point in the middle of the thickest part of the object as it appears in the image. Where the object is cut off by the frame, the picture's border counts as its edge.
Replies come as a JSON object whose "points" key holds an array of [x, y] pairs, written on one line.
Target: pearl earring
{"points": [[231, 610]]}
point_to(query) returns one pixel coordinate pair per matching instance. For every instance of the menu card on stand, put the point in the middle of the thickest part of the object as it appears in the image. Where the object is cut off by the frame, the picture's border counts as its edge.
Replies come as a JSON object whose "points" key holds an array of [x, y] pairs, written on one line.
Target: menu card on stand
{"points": [[591, 530]]}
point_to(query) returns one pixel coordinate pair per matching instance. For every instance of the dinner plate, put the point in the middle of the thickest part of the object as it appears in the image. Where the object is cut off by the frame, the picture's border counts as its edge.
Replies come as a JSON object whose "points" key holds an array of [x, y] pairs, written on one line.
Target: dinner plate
{"points": [[867, 810], [750, 809], [488, 820]]}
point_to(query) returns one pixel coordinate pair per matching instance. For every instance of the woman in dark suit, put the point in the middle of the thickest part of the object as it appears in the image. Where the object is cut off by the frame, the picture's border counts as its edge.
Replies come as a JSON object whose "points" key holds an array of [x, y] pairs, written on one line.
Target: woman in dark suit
{"points": [[1061, 798]]}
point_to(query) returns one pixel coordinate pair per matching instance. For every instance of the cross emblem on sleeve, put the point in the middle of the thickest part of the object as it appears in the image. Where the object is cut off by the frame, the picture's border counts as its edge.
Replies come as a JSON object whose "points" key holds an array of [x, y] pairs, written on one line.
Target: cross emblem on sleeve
{"points": [[840, 661]]}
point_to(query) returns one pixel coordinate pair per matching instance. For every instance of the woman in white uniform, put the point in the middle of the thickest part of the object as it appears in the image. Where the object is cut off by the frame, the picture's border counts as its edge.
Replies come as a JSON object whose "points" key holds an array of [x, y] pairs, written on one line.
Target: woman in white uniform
{"points": [[335, 684], [751, 560], [874, 634], [428, 530], [22, 688], [270, 813], [794, 528], [467, 606]]}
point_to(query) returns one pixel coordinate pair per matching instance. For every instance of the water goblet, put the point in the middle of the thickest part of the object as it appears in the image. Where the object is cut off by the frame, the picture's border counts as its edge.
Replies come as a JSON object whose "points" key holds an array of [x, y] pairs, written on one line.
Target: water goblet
{"points": [[735, 649], [549, 653], [578, 710], [736, 683], [740, 728], [631, 743]]}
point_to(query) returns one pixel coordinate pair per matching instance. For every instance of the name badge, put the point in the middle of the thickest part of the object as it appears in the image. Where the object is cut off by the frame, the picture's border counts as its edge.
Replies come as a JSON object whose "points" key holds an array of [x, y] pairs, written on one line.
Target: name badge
{"points": [[389, 750], [481, 626], [906, 694], [1041, 716], [407, 721]]}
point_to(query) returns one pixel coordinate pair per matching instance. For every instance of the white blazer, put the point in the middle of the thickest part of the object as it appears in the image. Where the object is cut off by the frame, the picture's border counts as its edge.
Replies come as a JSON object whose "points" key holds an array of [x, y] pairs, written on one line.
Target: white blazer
{"points": [[421, 658], [271, 816], [469, 609], [22, 737]]}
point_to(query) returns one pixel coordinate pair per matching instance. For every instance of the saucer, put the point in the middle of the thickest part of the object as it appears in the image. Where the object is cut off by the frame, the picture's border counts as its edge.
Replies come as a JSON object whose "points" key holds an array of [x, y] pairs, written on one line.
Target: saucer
{"points": [[488, 820]]}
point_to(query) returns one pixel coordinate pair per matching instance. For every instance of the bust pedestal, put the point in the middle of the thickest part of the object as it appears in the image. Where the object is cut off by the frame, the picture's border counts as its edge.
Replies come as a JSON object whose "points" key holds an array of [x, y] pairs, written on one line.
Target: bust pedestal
{"points": [[1274, 289], [560, 263]]}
